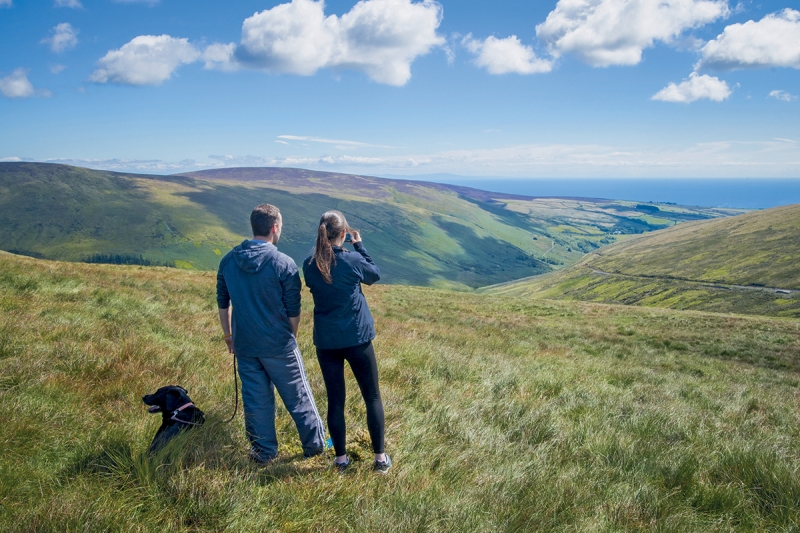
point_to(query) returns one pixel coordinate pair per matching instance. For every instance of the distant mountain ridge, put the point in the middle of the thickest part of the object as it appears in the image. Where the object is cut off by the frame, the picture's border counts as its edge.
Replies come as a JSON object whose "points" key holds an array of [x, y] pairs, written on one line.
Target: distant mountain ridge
{"points": [[420, 233], [296, 176]]}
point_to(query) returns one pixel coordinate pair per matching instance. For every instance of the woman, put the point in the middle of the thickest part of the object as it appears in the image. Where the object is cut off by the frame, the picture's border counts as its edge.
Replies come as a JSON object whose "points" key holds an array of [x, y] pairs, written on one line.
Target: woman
{"points": [[344, 329]]}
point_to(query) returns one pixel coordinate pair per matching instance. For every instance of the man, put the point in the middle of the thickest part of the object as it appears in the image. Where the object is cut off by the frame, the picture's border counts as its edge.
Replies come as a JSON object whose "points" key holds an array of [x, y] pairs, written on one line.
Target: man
{"points": [[264, 286]]}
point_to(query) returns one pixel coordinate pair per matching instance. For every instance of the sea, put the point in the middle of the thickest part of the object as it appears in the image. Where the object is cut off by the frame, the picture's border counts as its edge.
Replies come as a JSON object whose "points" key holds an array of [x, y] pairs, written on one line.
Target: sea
{"points": [[746, 193]]}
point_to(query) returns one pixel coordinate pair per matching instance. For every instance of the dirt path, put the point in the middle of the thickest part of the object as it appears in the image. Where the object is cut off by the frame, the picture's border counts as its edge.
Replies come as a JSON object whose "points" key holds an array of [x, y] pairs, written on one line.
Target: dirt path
{"points": [[707, 284]]}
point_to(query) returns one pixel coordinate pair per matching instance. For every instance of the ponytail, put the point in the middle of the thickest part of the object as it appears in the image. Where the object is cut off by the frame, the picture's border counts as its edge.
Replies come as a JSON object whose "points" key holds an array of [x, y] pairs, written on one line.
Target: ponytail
{"points": [[323, 254], [331, 225]]}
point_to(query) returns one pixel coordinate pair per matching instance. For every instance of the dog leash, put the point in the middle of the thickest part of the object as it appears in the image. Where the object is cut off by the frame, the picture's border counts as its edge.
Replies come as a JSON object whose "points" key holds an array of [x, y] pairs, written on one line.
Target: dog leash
{"points": [[236, 391]]}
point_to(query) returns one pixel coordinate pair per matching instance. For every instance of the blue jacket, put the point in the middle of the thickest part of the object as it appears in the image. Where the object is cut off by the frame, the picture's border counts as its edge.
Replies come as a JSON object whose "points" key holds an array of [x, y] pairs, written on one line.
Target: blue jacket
{"points": [[341, 315], [264, 286]]}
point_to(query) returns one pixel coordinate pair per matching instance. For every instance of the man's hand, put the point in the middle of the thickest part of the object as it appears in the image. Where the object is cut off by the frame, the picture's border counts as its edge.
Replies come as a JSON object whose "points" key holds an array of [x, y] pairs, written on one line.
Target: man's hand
{"points": [[295, 322], [225, 322]]}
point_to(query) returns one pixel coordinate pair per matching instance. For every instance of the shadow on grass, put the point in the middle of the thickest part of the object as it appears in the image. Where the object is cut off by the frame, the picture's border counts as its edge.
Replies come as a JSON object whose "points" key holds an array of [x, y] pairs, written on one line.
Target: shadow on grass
{"points": [[213, 446]]}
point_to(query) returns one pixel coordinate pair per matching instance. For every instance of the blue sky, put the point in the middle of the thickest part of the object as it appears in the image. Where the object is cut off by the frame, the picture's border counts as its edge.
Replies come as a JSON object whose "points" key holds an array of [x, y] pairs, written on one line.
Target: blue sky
{"points": [[572, 88]]}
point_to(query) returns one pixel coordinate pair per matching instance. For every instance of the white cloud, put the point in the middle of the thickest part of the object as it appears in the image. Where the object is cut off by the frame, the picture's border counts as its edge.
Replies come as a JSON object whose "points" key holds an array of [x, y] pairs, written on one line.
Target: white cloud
{"points": [[10, 159], [615, 32], [55, 69], [145, 60], [697, 87], [379, 37], [74, 4], [340, 143], [774, 41], [783, 96], [16, 85], [149, 2], [6, 3], [504, 56], [220, 57], [64, 37], [770, 158]]}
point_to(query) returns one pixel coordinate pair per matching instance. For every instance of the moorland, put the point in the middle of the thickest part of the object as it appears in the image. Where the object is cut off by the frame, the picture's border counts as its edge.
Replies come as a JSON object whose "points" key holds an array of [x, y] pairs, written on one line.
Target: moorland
{"points": [[745, 264], [503, 414], [426, 234], [516, 407]]}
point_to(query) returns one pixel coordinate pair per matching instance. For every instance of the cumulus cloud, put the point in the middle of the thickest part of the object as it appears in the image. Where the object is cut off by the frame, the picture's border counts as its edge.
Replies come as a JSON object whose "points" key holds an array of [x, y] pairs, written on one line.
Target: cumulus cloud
{"points": [[783, 96], [145, 60], [697, 87], [504, 56], [74, 4], [64, 37], [17, 85], [615, 32], [219, 56], [774, 41], [379, 37], [55, 69]]}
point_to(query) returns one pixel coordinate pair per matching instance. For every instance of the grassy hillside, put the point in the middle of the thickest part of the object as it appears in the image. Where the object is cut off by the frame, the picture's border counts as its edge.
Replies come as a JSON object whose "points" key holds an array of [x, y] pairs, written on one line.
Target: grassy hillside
{"points": [[419, 233], [719, 265], [503, 414]]}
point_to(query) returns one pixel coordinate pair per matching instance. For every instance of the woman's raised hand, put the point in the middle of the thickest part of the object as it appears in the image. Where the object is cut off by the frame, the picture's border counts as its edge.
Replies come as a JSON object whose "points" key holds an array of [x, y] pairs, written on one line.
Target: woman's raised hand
{"points": [[355, 236]]}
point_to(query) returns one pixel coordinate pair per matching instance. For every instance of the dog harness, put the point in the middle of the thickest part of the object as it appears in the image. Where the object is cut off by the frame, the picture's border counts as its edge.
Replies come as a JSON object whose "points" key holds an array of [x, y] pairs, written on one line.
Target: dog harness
{"points": [[178, 410]]}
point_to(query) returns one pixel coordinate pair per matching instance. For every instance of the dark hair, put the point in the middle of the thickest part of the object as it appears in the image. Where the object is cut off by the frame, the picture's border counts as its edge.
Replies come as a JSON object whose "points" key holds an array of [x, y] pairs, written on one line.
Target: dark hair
{"points": [[331, 225], [263, 218]]}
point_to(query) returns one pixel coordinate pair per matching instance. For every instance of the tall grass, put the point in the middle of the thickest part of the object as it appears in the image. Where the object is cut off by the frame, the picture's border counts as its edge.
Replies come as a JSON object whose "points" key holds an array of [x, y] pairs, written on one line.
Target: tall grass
{"points": [[502, 415]]}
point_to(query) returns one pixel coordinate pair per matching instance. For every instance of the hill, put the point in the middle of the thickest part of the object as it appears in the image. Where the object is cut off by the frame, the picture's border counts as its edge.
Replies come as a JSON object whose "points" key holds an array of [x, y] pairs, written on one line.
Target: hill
{"points": [[743, 264], [420, 233], [503, 414]]}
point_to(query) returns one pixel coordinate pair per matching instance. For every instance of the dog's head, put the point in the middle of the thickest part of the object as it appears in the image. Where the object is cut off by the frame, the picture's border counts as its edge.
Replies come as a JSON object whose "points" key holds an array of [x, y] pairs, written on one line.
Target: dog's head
{"points": [[166, 399]]}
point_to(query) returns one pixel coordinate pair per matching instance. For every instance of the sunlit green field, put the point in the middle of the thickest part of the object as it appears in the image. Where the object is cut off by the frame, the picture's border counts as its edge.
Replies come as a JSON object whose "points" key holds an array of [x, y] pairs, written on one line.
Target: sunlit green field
{"points": [[724, 265], [426, 234], [503, 414]]}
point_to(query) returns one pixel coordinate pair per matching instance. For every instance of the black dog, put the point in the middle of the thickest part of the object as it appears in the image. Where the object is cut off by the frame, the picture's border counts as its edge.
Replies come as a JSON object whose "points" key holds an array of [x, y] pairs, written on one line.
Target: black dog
{"points": [[177, 413]]}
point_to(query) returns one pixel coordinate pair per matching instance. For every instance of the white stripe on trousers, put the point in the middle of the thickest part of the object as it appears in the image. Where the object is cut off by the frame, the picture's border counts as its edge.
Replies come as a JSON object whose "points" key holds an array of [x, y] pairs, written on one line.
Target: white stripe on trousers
{"points": [[320, 423]]}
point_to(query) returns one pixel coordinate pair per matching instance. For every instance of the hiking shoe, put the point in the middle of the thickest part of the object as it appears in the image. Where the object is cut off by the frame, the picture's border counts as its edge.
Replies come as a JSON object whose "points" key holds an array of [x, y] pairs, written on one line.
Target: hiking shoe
{"points": [[259, 459], [342, 467], [313, 453], [382, 467]]}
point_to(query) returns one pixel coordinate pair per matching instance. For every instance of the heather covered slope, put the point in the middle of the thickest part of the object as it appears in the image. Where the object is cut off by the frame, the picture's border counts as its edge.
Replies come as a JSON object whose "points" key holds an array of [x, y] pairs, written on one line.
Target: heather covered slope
{"points": [[421, 233], [744, 264], [503, 414]]}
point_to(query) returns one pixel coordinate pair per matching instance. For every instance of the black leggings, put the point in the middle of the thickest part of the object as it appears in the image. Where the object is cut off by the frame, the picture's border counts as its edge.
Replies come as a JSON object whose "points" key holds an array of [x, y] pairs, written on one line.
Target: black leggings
{"points": [[365, 369]]}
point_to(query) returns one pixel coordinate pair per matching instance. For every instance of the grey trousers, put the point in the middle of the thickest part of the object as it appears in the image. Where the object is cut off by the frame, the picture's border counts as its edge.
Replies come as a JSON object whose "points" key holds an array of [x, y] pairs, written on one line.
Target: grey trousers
{"points": [[260, 377]]}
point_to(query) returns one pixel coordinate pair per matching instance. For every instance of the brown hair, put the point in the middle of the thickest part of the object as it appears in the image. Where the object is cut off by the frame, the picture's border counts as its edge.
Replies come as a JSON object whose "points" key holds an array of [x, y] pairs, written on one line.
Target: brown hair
{"points": [[331, 225], [263, 218]]}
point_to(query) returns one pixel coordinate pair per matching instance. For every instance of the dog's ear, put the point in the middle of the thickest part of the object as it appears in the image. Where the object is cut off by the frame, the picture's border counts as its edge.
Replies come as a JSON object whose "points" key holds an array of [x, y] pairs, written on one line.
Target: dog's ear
{"points": [[174, 398]]}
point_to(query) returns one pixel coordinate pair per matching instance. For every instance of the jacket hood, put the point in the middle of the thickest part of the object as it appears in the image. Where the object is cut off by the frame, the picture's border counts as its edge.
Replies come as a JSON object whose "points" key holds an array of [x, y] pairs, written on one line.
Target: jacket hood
{"points": [[251, 256]]}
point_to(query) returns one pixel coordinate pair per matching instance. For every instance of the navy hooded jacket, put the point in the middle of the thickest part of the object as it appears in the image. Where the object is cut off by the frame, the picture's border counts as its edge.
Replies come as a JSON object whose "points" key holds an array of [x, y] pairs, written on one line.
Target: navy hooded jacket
{"points": [[341, 316], [264, 286]]}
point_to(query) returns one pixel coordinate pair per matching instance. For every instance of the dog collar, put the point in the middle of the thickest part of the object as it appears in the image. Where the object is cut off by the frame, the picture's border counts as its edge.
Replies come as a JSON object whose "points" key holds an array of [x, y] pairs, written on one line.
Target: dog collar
{"points": [[178, 410]]}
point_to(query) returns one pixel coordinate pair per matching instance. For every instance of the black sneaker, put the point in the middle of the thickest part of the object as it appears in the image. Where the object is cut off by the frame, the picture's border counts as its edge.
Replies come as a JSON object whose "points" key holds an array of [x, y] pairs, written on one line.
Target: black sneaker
{"points": [[258, 459], [382, 466], [342, 467]]}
